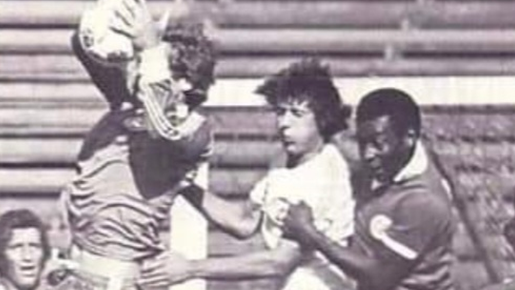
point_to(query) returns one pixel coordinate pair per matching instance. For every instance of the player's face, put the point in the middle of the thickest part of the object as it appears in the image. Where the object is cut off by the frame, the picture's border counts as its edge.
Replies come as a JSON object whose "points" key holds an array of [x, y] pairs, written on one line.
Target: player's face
{"points": [[186, 86], [298, 130], [24, 255], [382, 150]]}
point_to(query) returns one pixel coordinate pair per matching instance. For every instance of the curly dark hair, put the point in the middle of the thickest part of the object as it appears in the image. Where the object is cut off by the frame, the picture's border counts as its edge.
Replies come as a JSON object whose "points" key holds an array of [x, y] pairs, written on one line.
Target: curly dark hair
{"points": [[309, 80], [20, 219], [193, 57], [396, 104]]}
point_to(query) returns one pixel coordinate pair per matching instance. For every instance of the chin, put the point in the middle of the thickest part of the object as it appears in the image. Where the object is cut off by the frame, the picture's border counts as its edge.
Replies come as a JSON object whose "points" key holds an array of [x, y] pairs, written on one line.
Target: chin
{"points": [[289, 149], [27, 284], [292, 153]]}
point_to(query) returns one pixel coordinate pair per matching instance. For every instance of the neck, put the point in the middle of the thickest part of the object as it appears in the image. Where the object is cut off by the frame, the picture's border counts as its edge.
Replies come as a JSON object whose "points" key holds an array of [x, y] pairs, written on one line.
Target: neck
{"points": [[404, 160]]}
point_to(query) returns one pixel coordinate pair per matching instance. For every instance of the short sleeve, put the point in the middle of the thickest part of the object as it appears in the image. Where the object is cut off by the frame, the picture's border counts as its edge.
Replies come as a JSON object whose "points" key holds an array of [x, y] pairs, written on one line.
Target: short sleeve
{"points": [[258, 192], [197, 142], [202, 175], [270, 229], [419, 220], [338, 221]]}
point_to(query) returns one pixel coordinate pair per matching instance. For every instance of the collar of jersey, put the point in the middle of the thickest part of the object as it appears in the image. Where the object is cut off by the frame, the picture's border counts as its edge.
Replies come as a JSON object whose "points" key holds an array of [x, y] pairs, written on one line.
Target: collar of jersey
{"points": [[415, 167]]}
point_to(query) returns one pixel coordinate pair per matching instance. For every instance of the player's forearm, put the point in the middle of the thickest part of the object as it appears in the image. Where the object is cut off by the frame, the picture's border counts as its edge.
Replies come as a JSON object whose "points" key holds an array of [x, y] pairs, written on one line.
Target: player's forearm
{"points": [[251, 266], [236, 218], [362, 268]]}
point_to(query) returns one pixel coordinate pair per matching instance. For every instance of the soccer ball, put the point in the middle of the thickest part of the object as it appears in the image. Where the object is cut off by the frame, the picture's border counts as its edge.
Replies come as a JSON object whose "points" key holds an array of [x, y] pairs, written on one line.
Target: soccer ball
{"points": [[101, 42]]}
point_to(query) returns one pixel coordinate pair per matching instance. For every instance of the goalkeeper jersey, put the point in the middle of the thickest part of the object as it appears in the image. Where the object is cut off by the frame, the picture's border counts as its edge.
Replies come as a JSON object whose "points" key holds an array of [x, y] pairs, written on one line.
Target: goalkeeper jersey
{"points": [[121, 192]]}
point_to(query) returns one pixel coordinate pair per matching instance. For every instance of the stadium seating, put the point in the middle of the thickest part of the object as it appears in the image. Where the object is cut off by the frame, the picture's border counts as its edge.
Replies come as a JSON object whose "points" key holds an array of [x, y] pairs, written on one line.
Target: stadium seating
{"points": [[47, 102]]}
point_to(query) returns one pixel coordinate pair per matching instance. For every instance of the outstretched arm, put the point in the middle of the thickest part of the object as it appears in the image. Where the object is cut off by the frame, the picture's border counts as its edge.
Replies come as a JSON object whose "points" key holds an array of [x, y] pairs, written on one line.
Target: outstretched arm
{"points": [[275, 263], [238, 218], [375, 273]]}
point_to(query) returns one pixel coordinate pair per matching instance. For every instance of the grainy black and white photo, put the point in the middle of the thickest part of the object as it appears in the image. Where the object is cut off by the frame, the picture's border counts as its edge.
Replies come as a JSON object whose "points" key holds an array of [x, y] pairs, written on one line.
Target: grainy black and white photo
{"points": [[257, 144]]}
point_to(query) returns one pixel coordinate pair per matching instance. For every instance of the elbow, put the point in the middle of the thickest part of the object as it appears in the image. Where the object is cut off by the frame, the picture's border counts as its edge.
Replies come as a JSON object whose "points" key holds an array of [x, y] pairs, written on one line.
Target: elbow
{"points": [[247, 225], [238, 227], [246, 229], [242, 234]]}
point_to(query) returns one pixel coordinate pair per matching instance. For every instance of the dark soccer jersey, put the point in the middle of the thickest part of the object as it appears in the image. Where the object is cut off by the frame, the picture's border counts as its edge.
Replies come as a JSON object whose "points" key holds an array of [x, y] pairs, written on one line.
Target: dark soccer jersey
{"points": [[122, 190], [120, 194], [412, 219]]}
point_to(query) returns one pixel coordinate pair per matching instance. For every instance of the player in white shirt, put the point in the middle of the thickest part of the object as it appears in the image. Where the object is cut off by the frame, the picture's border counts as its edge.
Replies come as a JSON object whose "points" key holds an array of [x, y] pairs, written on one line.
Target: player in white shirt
{"points": [[309, 112]]}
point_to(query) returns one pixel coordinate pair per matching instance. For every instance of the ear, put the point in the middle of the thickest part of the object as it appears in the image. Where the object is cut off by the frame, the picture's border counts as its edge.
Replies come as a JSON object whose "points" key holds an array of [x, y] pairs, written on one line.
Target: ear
{"points": [[410, 139]]}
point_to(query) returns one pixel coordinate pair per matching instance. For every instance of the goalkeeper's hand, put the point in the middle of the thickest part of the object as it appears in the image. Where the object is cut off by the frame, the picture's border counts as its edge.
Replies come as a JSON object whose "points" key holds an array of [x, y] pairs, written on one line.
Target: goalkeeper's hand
{"points": [[132, 18]]}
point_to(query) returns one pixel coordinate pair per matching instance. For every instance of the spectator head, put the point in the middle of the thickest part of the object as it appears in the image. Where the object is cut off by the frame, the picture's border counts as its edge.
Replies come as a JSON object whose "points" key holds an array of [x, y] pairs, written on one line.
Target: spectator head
{"points": [[24, 248]]}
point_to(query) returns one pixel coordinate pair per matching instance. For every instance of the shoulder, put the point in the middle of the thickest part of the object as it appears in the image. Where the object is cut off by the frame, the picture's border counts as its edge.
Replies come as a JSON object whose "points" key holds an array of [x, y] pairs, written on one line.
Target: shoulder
{"points": [[203, 132], [421, 205], [258, 192], [198, 141], [333, 162]]}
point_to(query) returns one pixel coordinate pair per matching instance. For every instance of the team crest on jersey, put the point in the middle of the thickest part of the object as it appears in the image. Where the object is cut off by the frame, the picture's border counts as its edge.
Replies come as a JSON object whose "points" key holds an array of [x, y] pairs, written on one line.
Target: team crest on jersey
{"points": [[379, 225]]}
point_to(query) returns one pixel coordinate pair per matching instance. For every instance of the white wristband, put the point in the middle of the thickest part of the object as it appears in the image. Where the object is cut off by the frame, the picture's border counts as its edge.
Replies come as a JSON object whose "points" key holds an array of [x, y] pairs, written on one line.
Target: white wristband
{"points": [[154, 64]]}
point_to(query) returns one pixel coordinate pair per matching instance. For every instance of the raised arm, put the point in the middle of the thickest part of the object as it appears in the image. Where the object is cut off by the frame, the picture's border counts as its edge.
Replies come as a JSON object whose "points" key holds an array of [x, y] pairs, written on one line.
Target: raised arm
{"points": [[110, 80]]}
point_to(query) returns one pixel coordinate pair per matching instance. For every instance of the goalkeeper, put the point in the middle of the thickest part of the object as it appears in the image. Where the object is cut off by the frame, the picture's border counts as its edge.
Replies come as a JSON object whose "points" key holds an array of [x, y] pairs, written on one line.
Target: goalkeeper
{"points": [[150, 145]]}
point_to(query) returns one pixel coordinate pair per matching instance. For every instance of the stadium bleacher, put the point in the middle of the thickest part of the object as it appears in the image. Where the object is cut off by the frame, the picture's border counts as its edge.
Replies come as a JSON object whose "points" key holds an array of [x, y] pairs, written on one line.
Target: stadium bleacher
{"points": [[47, 102]]}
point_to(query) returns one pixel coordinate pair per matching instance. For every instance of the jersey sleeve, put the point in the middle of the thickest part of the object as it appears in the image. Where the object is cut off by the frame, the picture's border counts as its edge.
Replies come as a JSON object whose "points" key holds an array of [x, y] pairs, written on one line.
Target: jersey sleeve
{"points": [[338, 221], [201, 177], [418, 223], [156, 92], [195, 149], [258, 193], [339, 218]]}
